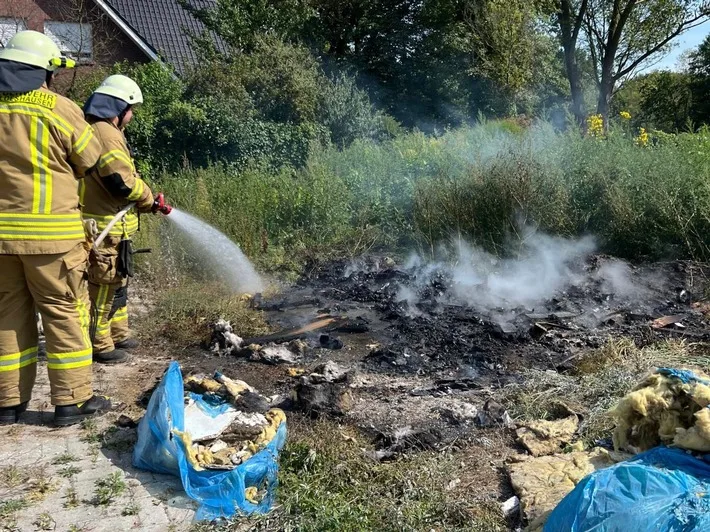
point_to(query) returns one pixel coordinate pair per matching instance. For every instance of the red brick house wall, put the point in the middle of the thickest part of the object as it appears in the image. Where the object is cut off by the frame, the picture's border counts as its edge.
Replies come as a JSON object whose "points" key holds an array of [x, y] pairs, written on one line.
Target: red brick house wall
{"points": [[110, 44]]}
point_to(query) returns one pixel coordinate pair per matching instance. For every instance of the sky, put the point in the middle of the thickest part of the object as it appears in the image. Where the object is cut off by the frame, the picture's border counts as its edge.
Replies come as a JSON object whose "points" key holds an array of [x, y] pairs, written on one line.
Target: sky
{"points": [[688, 41]]}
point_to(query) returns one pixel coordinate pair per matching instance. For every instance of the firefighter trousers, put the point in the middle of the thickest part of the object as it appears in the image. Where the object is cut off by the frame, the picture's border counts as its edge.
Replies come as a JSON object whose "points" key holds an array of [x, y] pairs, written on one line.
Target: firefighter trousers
{"points": [[109, 298], [55, 285]]}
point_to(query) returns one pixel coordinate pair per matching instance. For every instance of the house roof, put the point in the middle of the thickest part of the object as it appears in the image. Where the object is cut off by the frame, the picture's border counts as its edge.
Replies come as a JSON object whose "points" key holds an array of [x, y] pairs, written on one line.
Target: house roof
{"points": [[163, 26]]}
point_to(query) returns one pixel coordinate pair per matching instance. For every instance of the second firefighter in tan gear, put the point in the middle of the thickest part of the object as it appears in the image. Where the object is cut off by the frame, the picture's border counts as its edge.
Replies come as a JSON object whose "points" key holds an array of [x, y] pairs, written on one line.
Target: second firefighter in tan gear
{"points": [[104, 193], [46, 144]]}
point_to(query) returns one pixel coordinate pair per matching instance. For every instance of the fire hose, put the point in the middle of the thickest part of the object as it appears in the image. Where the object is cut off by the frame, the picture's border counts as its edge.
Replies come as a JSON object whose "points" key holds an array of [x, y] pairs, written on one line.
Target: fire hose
{"points": [[110, 225], [159, 205]]}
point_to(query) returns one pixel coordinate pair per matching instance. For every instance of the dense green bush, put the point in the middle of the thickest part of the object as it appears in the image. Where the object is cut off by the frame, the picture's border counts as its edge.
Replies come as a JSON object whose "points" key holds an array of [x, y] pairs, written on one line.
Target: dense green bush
{"points": [[273, 106]]}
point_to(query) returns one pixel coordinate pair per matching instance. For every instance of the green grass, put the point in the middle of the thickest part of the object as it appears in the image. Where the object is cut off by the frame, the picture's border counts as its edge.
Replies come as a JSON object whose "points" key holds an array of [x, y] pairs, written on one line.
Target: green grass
{"points": [[109, 488], [132, 508], [65, 458], [7, 508], [69, 471], [12, 476], [44, 521], [327, 484], [71, 497], [185, 314]]}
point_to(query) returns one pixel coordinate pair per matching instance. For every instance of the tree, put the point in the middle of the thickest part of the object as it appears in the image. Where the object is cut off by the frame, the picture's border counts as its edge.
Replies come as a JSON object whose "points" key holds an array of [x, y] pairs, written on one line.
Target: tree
{"points": [[699, 60], [621, 36], [660, 100], [570, 18], [699, 68], [624, 35], [240, 22], [430, 63], [501, 33]]}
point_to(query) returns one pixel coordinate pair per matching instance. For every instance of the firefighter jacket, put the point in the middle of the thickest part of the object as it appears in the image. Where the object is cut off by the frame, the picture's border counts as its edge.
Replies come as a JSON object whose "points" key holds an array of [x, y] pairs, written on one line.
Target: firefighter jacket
{"points": [[45, 145], [113, 184]]}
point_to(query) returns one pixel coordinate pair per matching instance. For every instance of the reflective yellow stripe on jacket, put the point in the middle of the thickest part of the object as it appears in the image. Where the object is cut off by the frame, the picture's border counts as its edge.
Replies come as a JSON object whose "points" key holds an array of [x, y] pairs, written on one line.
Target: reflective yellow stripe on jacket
{"points": [[114, 155], [39, 107], [38, 112], [42, 174], [137, 191], [83, 141], [41, 226], [128, 226]]}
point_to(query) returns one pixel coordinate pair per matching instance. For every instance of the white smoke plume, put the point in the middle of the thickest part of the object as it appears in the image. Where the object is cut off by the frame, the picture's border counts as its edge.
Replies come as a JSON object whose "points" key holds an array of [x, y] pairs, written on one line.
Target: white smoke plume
{"points": [[544, 268]]}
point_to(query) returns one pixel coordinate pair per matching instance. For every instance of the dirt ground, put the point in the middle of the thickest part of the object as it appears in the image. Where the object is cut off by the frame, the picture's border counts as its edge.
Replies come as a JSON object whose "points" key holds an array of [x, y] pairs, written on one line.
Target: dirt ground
{"points": [[421, 368]]}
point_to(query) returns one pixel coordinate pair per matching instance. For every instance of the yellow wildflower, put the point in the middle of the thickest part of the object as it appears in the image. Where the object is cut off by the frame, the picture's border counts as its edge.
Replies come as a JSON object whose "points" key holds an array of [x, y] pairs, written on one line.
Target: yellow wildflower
{"points": [[595, 126], [625, 115], [642, 139]]}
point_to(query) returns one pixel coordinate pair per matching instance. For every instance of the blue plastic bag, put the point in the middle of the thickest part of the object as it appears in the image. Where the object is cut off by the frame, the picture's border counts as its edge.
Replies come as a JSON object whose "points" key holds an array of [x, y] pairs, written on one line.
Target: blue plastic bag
{"points": [[219, 493], [662, 490]]}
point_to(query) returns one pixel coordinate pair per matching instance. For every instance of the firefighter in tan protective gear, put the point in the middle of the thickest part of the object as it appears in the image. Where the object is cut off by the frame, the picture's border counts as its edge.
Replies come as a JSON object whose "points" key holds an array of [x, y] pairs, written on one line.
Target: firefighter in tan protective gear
{"points": [[46, 145], [106, 191]]}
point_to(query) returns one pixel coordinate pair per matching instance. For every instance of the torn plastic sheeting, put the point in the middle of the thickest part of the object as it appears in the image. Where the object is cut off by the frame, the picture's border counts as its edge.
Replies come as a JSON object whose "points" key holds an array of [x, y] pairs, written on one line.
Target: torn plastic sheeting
{"points": [[662, 489], [206, 421], [219, 493]]}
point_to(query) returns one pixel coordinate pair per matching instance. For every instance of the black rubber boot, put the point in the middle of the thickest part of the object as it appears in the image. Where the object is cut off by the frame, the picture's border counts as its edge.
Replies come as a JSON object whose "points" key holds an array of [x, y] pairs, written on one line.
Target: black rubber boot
{"points": [[11, 414], [73, 414], [111, 357], [128, 343]]}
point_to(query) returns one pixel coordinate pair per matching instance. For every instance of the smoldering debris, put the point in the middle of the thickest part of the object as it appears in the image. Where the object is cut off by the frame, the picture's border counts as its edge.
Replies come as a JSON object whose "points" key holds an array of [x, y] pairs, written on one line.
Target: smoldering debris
{"points": [[286, 347], [544, 266], [223, 340], [543, 269], [325, 391]]}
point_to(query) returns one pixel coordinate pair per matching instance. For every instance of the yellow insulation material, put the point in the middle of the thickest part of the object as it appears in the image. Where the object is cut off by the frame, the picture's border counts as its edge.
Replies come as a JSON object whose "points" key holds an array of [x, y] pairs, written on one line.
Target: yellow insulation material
{"points": [[663, 410], [541, 483], [191, 453], [251, 494], [200, 456]]}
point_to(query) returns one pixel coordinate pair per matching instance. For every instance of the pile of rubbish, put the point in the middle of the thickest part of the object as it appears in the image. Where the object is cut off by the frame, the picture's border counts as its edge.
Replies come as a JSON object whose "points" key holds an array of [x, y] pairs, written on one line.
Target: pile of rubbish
{"points": [[661, 489], [244, 425], [286, 347], [665, 418], [219, 435], [669, 407], [225, 342], [542, 482]]}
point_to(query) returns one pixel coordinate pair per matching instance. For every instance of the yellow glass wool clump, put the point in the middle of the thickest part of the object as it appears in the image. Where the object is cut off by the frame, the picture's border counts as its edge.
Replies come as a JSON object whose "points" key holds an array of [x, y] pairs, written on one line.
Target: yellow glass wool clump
{"points": [[664, 410], [200, 456], [251, 494]]}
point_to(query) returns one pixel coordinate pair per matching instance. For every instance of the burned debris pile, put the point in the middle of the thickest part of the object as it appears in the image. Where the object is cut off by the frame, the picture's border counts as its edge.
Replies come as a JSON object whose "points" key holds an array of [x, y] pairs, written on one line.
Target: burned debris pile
{"points": [[426, 323]]}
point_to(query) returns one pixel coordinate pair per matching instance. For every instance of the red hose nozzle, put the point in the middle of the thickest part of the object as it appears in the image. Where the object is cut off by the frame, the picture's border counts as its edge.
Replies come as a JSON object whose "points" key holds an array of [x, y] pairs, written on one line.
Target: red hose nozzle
{"points": [[160, 206]]}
